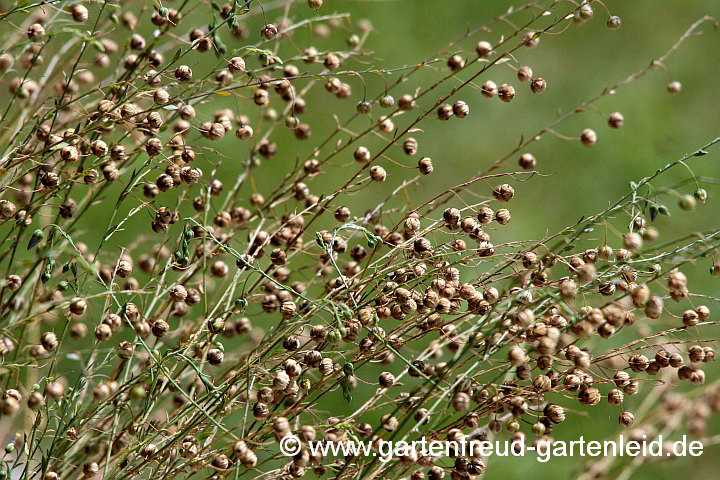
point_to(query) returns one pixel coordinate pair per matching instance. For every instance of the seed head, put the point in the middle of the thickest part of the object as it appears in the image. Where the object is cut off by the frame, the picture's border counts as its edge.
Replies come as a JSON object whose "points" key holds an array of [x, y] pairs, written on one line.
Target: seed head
{"points": [[538, 85], [505, 92], [614, 22], [183, 73], [674, 87], [588, 137], [79, 13]]}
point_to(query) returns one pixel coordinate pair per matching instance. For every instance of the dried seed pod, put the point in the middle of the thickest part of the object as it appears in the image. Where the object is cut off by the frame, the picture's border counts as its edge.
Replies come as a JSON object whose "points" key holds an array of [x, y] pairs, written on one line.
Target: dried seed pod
{"points": [[506, 92], [626, 419], [49, 341], [654, 307], [461, 109], [386, 380], [215, 356], [444, 112], [377, 173], [269, 31], [425, 166], [527, 161], [538, 85], [614, 22], [489, 89], [183, 73], [504, 192], [674, 87], [410, 146], [616, 120], [588, 137], [483, 48]]}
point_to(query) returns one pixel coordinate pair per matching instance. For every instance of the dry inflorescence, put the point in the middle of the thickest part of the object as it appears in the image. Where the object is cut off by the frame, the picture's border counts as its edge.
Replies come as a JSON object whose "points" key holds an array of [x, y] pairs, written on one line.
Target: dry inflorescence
{"points": [[233, 318]]}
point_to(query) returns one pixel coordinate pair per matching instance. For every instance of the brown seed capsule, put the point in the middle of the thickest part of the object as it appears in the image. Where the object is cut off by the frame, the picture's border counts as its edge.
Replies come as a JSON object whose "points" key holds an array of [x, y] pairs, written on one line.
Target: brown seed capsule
{"points": [[527, 161], [377, 173], [11, 401], [183, 73], [55, 390], [554, 413], [236, 65], [261, 97], [506, 92], [615, 396], [103, 332], [164, 182], [614, 22], [410, 146], [14, 282], [461, 109], [638, 363], [221, 462], [35, 31], [654, 307], [690, 318], [504, 192], [425, 166], [78, 306], [160, 328], [91, 469], [332, 62], [674, 87], [626, 419], [444, 112], [632, 241], [503, 216], [524, 73], [489, 89], [538, 85], [69, 153], [531, 39], [675, 360], [342, 214], [709, 354], [422, 245], [517, 356], [35, 401], [288, 309], [696, 354], [215, 356], [461, 402], [7, 209], [244, 133], [49, 341], [178, 293], [590, 396], [6, 61], [269, 31], [483, 48]]}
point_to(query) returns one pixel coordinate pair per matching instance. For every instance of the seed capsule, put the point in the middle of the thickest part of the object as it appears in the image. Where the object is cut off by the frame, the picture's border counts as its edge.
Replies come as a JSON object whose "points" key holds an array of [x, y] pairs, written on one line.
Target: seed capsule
{"points": [[588, 137]]}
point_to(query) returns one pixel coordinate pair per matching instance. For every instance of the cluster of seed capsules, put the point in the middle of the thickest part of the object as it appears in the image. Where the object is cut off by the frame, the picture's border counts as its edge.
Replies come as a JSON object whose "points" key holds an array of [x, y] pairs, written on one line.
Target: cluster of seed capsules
{"points": [[233, 320]]}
